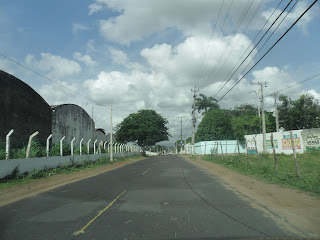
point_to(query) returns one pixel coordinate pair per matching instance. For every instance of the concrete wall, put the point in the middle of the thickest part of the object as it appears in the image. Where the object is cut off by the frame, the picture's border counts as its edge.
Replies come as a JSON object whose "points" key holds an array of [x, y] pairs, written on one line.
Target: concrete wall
{"points": [[22, 109], [71, 121], [311, 139], [30, 164], [224, 146], [281, 140]]}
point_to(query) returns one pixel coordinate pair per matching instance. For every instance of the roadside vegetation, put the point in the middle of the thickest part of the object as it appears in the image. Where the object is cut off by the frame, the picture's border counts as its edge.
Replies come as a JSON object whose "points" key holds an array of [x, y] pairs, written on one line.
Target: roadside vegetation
{"points": [[309, 165], [15, 178]]}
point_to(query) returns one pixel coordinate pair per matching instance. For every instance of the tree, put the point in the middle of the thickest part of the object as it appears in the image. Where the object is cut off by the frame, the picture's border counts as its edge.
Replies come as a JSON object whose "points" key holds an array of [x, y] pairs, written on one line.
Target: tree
{"points": [[298, 114], [215, 125], [145, 128], [205, 103], [245, 125]]}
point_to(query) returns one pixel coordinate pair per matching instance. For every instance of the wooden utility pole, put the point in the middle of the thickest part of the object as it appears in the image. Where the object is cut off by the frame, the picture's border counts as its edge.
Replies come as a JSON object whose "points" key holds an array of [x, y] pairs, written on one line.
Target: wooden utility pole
{"points": [[195, 90], [264, 143], [276, 111], [111, 144]]}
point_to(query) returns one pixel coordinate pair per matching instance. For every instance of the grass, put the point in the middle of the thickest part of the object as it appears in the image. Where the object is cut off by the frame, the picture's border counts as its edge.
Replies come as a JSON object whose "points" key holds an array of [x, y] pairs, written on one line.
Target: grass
{"points": [[309, 165], [16, 179]]}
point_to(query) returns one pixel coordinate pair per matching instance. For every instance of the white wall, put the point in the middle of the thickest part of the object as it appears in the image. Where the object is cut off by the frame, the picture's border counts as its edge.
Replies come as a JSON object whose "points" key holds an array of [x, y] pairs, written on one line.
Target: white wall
{"points": [[281, 140]]}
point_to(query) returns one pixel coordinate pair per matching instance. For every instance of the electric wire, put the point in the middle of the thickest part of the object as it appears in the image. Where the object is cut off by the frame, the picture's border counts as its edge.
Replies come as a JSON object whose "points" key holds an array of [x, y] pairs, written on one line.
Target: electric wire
{"points": [[252, 49], [270, 48]]}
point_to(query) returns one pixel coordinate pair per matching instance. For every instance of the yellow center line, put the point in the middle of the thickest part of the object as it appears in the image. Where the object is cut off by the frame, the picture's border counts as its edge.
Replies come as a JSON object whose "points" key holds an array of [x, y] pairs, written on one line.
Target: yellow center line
{"points": [[146, 171], [92, 220]]}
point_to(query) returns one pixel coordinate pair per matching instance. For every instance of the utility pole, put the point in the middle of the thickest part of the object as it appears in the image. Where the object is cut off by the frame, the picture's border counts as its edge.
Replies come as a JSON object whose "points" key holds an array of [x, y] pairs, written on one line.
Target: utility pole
{"points": [[264, 143], [181, 133], [111, 144], [276, 111], [195, 90]]}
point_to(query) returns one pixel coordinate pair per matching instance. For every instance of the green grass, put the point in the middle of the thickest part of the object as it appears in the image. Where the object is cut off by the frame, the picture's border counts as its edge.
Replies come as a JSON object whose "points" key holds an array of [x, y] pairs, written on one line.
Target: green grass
{"points": [[309, 165], [17, 179]]}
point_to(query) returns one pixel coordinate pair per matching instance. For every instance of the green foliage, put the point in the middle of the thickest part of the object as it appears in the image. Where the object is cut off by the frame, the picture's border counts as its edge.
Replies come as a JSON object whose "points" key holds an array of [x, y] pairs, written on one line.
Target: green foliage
{"points": [[84, 150], [244, 125], [55, 150], [204, 103], [146, 128], [297, 114], [309, 165], [215, 125]]}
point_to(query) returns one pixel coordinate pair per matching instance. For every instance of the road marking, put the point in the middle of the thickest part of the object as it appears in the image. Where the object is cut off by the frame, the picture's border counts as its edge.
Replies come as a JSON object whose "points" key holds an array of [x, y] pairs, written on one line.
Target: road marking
{"points": [[92, 220], [155, 164], [146, 171]]}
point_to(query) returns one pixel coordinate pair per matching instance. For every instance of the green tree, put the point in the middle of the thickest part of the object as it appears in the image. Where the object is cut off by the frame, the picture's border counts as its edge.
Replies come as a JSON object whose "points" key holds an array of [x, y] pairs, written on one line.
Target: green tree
{"points": [[215, 125], [298, 114], [245, 125], [145, 128], [204, 103]]}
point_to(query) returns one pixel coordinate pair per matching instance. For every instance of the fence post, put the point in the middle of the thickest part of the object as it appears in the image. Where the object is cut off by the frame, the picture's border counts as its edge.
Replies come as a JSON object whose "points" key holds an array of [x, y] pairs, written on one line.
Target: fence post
{"points": [[48, 142], [294, 155], [99, 148], [115, 147], [109, 147], [8, 143], [104, 145], [94, 146], [205, 148], [88, 146], [72, 145], [61, 147], [226, 147], [221, 150], [274, 154], [238, 149], [81, 146], [247, 150], [255, 144], [29, 143]]}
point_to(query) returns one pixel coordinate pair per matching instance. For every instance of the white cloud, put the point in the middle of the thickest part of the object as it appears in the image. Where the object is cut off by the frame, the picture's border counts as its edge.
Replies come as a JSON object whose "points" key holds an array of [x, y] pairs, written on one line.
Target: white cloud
{"points": [[121, 58], [313, 93], [86, 59], [54, 66], [292, 16], [138, 19], [77, 27]]}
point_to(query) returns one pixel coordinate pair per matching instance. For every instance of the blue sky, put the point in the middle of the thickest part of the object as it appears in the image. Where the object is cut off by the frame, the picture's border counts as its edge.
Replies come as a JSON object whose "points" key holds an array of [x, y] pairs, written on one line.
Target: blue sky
{"points": [[149, 54]]}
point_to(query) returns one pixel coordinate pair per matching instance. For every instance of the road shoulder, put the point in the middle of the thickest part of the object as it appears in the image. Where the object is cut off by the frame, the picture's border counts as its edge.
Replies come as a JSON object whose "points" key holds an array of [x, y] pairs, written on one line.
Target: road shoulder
{"points": [[15, 193], [295, 210]]}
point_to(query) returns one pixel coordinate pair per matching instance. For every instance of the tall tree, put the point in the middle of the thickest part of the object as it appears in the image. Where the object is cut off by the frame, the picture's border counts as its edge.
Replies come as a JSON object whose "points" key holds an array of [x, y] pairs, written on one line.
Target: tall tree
{"points": [[298, 114], [145, 128], [204, 103], [215, 125]]}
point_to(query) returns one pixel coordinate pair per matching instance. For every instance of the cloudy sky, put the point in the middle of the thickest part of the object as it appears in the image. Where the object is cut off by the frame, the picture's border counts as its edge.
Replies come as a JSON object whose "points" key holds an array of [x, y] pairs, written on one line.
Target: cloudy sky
{"points": [[149, 54]]}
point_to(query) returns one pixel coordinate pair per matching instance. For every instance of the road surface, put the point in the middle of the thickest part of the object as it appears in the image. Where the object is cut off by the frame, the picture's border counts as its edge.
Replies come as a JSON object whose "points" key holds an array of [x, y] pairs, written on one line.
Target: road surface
{"points": [[163, 197]]}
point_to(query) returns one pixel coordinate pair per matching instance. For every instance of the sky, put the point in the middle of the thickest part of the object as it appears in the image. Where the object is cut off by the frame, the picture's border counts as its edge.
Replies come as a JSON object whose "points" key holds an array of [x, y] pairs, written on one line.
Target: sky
{"points": [[148, 54]]}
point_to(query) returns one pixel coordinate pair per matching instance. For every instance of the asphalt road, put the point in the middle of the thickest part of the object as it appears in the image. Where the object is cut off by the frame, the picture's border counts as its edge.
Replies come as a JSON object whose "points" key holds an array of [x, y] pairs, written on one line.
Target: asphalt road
{"points": [[162, 197]]}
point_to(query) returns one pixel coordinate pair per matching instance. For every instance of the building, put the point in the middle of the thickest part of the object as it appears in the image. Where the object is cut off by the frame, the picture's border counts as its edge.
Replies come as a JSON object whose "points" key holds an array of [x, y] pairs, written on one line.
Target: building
{"points": [[23, 110]]}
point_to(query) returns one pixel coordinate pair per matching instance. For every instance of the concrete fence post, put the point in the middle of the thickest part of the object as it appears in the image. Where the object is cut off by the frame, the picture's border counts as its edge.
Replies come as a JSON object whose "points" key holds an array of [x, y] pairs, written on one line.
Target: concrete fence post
{"points": [[104, 145], [72, 145], [88, 146], [8, 143], [115, 148], [109, 147], [99, 148], [81, 146], [48, 142], [61, 146], [30, 142], [94, 146]]}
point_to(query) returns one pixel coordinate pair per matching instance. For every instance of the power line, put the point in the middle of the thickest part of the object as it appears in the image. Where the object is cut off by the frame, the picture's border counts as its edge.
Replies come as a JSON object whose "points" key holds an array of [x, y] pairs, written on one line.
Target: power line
{"points": [[253, 49], [295, 84], [270, 49], [49, 79]]}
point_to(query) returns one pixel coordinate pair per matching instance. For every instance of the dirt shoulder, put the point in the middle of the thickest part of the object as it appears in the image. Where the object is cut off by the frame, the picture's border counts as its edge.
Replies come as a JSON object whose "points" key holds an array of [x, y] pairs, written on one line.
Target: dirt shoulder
{"points": [[15, 193], [292, 209]]}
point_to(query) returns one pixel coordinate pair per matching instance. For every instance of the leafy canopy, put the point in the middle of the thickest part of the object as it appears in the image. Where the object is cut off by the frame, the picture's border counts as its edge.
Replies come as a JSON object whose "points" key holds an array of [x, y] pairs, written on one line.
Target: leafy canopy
{"points": [[204, 103], [145, 128]]}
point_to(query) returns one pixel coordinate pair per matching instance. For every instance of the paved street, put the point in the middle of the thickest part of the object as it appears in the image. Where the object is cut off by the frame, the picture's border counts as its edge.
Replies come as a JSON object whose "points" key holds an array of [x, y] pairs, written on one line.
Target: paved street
{"points": [[162, 197]]}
